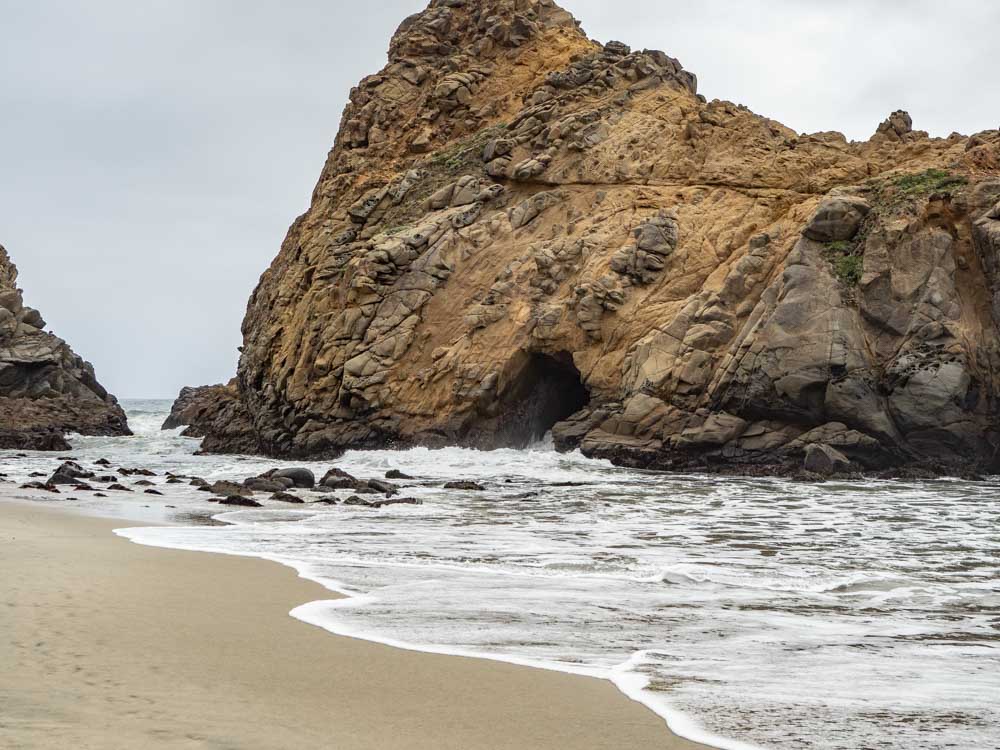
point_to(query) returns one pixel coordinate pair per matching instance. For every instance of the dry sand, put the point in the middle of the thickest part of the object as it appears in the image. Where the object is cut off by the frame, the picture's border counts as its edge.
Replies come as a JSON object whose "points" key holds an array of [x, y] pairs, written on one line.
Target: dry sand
{"points": [[105, 644]]}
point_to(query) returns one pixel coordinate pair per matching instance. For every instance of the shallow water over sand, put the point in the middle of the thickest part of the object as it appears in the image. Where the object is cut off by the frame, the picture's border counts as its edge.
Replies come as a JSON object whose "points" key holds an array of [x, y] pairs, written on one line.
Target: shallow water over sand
{"points": [[746, 611]]}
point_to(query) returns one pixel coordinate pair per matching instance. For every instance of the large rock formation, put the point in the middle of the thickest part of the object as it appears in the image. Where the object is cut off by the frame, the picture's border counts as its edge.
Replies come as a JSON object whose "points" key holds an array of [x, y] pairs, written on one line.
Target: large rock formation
{"points": [[520, 229], [45, 389]]}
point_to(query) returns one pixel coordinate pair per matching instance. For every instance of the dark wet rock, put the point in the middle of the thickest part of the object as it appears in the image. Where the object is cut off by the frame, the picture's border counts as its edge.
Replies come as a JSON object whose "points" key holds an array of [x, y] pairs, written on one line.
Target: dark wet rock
{"points": [[361, 502], [341, 483], [175, 480], [397, 501], [396, 474], [198, 482], [260, 484], [144, 483], [287, 497], [136, 472], [106, 479], [239, 500], [355, 500], [184, 410], [303, 478], [384, 487], [118, 488], [464, 485], [224, 487], [568, 434], [217, 414], [70, 472], [823, 460], [58, 478], [339, 479], [40, 486], [36, 439], [153, 492], [102, 462]]}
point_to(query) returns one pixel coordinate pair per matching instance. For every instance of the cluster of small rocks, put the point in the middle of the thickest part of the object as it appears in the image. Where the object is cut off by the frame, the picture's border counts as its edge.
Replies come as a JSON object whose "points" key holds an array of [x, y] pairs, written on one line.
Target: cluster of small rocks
{"points": [[71, 476], [278, 483]]}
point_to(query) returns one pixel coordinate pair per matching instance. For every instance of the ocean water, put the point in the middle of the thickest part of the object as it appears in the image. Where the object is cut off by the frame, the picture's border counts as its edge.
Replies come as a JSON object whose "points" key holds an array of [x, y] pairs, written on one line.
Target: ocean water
{"points": [[749, 613]]}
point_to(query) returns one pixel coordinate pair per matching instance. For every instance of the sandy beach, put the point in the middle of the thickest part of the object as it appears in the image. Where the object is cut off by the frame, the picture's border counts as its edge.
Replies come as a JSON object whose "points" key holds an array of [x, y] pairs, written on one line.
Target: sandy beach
{"points": [[108, 644]]}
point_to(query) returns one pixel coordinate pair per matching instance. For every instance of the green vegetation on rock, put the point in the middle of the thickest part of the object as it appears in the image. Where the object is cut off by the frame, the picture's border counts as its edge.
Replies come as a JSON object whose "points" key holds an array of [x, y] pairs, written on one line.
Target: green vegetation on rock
{"points": [[927, 183], [901, 190], [467, 153], [846, 261]]}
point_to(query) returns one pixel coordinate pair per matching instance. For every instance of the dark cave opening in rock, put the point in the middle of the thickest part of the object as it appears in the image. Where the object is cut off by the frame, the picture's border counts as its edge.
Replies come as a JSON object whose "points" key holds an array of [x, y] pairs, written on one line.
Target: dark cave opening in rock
{"points": [[548, 390]]}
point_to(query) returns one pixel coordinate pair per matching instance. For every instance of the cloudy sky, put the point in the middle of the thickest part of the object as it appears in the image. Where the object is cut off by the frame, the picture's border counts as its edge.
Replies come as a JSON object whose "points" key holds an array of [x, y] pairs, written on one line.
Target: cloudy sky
{"points": [[153, 152]]}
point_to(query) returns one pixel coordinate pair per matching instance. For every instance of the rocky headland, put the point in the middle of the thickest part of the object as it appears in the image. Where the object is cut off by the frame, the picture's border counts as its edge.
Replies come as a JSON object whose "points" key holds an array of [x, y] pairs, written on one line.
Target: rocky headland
{"points": [[46, 390], [519, 230]]}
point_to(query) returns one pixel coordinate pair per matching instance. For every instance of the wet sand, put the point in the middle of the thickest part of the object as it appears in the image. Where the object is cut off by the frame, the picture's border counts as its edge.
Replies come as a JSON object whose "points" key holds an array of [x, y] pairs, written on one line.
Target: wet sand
{"points": [[105, 644]]}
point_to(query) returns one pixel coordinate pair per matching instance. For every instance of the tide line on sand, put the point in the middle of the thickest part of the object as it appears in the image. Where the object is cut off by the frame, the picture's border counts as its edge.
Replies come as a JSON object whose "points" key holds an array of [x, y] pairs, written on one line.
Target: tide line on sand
{"points": [[182, 647]]}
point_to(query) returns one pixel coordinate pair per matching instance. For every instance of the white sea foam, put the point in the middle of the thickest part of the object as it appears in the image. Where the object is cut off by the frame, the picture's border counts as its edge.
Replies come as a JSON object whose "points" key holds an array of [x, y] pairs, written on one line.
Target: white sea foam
{"points": [[747, 612]]}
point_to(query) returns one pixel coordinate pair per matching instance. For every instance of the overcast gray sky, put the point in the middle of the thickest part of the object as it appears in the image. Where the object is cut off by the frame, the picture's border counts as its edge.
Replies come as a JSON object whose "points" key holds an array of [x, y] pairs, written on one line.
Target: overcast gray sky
{"points": [[153, 152]]}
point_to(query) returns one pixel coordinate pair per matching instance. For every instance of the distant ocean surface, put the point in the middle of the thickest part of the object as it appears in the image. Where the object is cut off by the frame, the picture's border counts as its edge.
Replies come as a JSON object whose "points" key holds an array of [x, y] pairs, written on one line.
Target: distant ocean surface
{"points": [[749, 613]]}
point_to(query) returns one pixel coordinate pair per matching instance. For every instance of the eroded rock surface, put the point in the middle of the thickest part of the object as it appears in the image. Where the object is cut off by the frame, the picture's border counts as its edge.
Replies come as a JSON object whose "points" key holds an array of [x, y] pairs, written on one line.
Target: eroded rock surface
{"points": [[520, 229], [46, 390], [216, 413]]}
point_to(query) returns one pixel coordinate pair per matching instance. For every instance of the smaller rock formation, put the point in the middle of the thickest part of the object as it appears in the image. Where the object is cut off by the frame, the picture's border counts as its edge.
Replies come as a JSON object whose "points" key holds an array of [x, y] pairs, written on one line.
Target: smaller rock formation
{"points": [[239, 501], [300, 477], [216, 413], [186, 408], [46, 390], [896, 125]]}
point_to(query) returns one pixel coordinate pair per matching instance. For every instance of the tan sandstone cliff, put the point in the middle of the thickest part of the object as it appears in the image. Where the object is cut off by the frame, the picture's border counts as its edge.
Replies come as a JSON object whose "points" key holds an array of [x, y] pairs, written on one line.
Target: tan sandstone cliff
{"points": [[45, 389], [520, 229]]}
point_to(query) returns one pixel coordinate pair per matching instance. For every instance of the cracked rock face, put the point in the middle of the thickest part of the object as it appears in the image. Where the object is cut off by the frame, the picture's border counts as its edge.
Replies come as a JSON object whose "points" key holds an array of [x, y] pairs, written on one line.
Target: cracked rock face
{"points": [[511, 208], [45, 389]]}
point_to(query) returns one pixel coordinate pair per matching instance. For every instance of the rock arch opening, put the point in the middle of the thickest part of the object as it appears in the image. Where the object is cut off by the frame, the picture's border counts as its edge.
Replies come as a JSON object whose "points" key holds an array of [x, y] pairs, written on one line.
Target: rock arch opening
{"points": [[547, 389]]}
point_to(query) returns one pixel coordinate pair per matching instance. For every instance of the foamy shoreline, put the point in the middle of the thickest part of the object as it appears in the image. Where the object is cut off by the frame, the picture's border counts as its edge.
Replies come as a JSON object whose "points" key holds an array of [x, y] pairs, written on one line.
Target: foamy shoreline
{"points": [[740, 601], [197, 650], [315, 613]]}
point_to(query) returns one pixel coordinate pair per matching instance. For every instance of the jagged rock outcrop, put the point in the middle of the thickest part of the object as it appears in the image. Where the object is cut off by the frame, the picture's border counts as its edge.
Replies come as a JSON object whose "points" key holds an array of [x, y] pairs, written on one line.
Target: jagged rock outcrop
{"points": [[216, 413], [46, 390], [192, 405], [519, 228]]}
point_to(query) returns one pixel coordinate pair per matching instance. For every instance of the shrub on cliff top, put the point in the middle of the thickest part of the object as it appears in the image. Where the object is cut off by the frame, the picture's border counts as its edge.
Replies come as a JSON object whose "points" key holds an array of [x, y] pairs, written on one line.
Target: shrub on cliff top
{"points": [[927, 183]]}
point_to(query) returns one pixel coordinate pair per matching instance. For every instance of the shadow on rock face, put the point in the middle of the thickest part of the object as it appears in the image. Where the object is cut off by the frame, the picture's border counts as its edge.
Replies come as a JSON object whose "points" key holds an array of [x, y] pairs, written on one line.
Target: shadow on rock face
{"points": [[547, 390]]}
